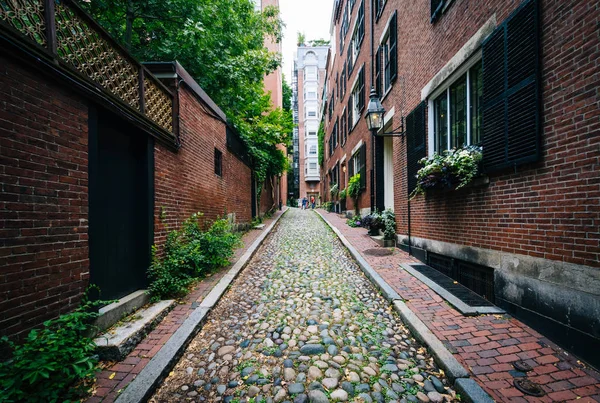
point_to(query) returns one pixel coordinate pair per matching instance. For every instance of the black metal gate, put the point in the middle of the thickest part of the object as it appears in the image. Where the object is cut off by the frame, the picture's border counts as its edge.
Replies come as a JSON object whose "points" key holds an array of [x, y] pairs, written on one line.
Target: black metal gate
{"points": [[121, 186]]}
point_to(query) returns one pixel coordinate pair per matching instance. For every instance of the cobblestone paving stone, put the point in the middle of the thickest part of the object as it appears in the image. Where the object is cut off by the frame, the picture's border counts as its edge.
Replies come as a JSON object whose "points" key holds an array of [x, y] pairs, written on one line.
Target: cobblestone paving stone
{"points": [[302, 323]]}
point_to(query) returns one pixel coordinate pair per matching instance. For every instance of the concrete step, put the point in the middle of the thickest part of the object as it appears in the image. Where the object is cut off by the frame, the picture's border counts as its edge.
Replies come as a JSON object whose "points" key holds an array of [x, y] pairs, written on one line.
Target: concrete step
{"points": [[122, 338]]}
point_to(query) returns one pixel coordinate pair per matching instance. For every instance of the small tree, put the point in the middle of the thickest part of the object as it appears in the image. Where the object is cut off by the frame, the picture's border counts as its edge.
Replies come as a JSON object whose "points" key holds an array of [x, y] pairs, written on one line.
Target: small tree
{"points": [[353, 190], [301, 39]]}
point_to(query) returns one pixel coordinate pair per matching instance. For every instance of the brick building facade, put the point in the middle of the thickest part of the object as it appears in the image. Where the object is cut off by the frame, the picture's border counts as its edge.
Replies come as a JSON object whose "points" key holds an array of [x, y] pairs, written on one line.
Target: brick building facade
{"points": [[531, 221], [89, 183]]}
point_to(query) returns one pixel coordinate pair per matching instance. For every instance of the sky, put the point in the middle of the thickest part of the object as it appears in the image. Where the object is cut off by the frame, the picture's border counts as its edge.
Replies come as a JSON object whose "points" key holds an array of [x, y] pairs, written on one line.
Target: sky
{"points": [[312, 17]]}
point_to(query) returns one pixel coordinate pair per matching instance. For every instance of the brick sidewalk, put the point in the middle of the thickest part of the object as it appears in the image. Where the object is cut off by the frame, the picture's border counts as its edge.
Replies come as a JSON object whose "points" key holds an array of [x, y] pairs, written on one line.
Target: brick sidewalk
{"points": [[487, 344], [117, 376]]}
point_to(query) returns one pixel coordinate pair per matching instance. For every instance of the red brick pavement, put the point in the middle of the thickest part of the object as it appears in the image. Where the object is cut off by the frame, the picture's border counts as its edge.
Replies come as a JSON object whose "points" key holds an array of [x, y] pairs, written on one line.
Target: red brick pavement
{"points": [[487, 344], [117, 376]]}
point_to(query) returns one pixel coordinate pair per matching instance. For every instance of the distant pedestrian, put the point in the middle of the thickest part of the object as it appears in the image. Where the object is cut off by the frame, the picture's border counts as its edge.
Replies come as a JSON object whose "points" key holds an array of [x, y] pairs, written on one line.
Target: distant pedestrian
{"points": [[304, 203], [312, 202]]}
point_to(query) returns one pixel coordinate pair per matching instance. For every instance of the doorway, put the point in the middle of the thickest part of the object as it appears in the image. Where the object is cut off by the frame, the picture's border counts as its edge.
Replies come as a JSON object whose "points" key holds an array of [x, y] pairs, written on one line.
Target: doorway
{"points": [[121, 204], [388, 173]]}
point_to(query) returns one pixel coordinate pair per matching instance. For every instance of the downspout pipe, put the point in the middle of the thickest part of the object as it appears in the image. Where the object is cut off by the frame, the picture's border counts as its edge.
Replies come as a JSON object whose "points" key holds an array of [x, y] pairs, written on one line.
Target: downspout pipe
{"points": [[373, 172]]}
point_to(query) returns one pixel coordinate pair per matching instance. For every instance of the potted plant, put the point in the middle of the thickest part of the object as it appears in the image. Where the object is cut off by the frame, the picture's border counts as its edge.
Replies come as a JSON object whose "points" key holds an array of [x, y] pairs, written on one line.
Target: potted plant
{"points": [[452, 169], [388, 219]]}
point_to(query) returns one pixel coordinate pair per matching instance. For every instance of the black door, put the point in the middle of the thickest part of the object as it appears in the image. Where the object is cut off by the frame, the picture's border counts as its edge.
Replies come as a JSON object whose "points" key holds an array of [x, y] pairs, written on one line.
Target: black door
{"points": [[121, 204]]}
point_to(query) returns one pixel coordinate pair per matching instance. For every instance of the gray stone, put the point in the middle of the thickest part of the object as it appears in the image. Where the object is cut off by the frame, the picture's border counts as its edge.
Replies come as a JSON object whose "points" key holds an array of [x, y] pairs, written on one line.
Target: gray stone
{"points": [[390, 368], [317, 396], [339, 395], [312, 349], [221, 389], [295, 388], [438, 385], [435, 397], [330, 383], [301, 398]]}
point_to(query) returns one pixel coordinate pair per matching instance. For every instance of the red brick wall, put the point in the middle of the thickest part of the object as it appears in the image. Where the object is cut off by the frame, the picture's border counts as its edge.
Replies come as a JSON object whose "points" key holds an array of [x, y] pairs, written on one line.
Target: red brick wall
{"points": [[44, 198], [185, 181], [359, 132], [549, 209]]}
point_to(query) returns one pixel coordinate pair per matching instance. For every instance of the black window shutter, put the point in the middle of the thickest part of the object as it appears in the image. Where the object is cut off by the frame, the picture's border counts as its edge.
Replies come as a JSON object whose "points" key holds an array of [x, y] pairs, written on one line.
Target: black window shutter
{"points": [[350, 112], [350, 67], [511, 94], [436, 9], [351, 168], [394, 47], [361, 22], [378, 72], [363, 166], [415, 137], [361, 89]]}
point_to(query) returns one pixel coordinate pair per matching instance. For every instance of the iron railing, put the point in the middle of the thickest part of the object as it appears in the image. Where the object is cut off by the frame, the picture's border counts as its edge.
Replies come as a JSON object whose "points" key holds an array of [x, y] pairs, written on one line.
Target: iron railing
{"points": [[66, 33]]}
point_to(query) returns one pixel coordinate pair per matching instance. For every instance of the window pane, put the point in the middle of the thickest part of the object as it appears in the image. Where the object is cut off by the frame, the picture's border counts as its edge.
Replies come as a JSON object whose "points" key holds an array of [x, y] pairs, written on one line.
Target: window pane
{"points": [[476, 77], [440, 106], [386, 64], [458, 113]]}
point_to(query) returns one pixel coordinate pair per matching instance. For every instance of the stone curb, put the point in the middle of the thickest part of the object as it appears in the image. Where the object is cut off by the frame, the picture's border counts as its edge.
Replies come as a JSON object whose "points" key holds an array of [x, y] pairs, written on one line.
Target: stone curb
{"points": [[140, 389], [469, 389], [387, 291]]}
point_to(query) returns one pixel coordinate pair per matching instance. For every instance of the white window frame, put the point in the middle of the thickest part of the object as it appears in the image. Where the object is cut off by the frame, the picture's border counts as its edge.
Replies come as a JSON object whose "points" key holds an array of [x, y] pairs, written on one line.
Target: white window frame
{"points": [[311, 148], [445, 87], [356, 114]]}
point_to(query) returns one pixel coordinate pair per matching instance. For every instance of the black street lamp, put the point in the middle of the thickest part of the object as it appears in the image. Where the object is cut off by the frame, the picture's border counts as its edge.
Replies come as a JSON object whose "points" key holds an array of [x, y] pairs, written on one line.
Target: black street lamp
{"points": [[374, 117]]}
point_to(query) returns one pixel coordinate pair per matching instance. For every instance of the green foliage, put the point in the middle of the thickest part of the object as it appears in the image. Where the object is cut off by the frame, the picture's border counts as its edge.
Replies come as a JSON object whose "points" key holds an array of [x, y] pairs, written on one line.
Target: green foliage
{"points": [[328, 206], [319, 42], [342, 194], [452, 169], [388, 219], [321, 140], [221, 44], [287, 92], [334, 190], [55, 363], [301, 39], [353, 189], [354, 222], [190, 253]]}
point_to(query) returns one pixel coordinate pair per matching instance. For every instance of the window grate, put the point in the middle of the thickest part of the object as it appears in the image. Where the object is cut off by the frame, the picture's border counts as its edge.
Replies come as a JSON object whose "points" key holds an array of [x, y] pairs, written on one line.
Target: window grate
{"points": [[477, 278]]}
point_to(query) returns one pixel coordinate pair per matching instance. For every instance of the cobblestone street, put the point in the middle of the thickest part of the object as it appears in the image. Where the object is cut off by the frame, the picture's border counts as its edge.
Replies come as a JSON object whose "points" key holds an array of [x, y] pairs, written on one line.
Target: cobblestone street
{"points": [[302, 323]]}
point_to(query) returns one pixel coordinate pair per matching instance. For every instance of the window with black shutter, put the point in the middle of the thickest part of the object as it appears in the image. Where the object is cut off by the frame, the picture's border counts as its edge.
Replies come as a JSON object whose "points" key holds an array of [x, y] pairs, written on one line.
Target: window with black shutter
{"points": [[378, 72], [344, 80], [350, 116], [437, 7], [394, 47], [415, 144], [511, 91], [349, 61], [361, 90], [361, 22], [379, 5]]}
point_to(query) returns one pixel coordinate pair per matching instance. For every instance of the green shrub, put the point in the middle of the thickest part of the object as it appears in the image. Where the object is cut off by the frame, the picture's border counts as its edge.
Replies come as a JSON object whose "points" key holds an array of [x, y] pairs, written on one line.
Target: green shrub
{"points": [[343, 193], [189, 254], [353, 190], [389, 224], [55, 363]]}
